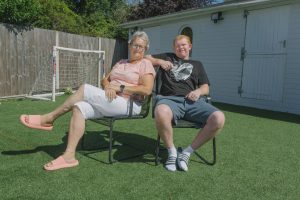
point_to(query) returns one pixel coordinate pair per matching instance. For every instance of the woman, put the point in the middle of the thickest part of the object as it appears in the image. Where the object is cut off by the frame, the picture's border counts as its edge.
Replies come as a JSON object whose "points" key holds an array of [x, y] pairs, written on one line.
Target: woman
{"points": [[132, 76]]}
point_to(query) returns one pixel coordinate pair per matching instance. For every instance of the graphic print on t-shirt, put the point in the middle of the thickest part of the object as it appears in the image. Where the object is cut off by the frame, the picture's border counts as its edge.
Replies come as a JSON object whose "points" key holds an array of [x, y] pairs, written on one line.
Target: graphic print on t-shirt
{"points": [[181, 71]]}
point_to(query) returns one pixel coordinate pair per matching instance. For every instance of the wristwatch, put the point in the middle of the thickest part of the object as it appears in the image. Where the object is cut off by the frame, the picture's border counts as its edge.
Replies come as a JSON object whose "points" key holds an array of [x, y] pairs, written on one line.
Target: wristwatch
{"points": [[122, 88]]}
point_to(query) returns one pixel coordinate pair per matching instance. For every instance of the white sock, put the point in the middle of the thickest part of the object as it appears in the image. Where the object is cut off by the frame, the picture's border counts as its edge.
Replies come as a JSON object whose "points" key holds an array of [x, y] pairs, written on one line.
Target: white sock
{"points": [[188, 151], [172, 152]]}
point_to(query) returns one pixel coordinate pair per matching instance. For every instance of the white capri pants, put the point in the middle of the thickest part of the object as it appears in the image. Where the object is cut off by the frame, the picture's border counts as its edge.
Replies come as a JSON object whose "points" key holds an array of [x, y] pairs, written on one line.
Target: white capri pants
{"points": [[95, 104]]}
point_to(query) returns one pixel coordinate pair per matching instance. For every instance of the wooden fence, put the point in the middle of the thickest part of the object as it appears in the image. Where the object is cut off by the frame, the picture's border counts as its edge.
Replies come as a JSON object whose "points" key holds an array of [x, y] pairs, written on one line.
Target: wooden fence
{"points": [[23, 52]]}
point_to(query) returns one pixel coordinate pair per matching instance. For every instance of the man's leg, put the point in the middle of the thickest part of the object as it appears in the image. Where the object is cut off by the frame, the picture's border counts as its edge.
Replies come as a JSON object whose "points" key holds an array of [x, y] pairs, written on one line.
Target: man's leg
{"points": [[163, 119], [214, 124]]}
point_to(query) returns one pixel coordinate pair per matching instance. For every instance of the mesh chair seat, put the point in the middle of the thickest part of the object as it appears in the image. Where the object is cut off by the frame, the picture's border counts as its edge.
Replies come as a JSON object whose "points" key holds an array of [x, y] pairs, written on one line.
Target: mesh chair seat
{"points": [[109, 122]]}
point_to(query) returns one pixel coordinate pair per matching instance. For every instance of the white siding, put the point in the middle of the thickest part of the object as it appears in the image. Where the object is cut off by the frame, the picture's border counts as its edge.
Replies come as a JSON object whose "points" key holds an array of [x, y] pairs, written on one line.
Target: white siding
{"points": [[219, 45], [291, 91], [154, 34], [292, 75], [265, 58]]}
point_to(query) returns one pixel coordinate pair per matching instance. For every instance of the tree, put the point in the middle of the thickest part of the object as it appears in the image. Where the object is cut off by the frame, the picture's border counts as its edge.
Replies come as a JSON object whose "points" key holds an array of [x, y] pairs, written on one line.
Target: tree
{"points": [[101, 17], [88, 17], [151, 8], [19, 12], [56, 15]]}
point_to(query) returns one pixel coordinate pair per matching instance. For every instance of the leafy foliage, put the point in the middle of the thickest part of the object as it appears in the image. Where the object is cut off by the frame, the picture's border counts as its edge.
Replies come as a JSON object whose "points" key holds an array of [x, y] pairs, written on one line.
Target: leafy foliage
{"points": [[151, 8], [57, 15], [19, 12], [101, 18], [88, 17]]}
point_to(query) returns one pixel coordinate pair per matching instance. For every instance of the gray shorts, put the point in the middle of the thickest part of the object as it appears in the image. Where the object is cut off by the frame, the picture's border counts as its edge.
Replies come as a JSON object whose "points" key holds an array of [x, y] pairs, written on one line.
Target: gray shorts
{"points": [[182, 108]]}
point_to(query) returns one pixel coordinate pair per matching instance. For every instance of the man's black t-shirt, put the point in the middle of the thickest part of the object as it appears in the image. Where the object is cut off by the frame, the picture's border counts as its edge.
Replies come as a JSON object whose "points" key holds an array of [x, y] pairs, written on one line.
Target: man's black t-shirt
{"points": [[184, 77]]}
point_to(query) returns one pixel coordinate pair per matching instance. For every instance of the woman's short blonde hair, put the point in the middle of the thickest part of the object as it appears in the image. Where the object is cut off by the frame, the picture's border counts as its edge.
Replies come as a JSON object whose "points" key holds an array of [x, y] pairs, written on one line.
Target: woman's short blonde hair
{"points": [[140, 34], [179, 37]]}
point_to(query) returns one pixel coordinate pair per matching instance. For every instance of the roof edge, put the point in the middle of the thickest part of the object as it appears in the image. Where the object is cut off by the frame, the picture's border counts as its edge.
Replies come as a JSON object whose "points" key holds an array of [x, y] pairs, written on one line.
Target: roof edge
{"points": [[201, 11]]}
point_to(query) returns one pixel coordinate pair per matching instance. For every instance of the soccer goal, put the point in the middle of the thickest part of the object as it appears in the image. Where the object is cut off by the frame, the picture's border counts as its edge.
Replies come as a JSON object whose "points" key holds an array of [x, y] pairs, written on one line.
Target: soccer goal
{"points": [[69, 69]]}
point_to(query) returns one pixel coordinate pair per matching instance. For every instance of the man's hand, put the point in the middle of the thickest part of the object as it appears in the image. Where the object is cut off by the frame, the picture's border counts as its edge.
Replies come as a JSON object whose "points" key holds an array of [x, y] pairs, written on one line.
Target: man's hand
{"points": [[193, 95], [166, 65]]}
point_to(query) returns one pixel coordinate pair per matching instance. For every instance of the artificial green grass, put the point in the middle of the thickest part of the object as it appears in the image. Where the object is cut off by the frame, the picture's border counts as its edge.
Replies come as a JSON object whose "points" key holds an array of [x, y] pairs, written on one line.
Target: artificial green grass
{"points": [[257, 158]]}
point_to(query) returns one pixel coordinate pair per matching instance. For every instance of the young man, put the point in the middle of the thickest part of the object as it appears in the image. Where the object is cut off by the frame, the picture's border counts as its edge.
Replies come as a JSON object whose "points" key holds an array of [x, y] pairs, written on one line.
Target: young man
{"points": [[184, 83]]}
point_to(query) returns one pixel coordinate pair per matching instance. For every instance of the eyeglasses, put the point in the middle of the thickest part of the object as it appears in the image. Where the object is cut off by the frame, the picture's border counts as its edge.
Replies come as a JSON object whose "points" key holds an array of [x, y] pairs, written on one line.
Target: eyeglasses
{"points": [[137, 47]]}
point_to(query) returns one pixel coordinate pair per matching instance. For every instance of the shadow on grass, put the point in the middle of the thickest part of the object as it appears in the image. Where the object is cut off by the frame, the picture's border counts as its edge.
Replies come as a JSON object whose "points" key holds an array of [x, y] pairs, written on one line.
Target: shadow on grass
{"points": [[281, 116], [134, 146], [53, 150], [128, 147]]}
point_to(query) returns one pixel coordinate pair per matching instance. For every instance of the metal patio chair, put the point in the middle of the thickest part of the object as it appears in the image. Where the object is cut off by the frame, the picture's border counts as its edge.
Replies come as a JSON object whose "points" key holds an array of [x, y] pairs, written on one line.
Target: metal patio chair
{"points": [[109, 122], [181, 123]]}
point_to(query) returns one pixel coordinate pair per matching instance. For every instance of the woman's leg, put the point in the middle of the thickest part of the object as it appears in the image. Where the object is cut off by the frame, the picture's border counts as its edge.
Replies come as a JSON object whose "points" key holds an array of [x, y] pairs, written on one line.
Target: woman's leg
{"points": [[76, 131], [81, 111], [49, 118]]}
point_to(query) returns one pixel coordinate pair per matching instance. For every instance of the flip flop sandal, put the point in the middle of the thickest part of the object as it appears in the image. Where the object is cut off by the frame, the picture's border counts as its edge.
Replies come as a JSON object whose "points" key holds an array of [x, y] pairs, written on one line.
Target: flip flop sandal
{"points": [[34, 121], [60, 163]]}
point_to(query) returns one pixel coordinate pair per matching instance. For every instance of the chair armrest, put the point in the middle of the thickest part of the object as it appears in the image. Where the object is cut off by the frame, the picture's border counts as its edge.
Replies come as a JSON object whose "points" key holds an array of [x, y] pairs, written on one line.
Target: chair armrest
{"points": [[130, 106], [208, 99], [145, 105]]}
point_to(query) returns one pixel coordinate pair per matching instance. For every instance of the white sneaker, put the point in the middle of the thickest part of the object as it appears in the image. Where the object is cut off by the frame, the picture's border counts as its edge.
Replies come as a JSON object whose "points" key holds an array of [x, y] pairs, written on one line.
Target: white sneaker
{"points": [[182, 161], [170, 164]]}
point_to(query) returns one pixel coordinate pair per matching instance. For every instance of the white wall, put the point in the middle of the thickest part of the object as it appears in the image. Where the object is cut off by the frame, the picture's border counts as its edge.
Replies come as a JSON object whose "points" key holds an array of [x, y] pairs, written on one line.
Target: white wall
{"points": [[218, 47], [292, 75], [154, 35], [291, 92]]}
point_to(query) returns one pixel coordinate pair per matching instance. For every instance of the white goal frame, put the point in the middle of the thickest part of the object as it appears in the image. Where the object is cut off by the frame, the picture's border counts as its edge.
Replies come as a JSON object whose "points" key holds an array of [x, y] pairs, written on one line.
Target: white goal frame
{"points": [[56, 69]]}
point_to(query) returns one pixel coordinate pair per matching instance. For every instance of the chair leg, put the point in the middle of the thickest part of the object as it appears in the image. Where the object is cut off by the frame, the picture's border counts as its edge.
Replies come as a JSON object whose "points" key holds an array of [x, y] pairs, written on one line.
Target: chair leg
{"points": [[111, 145], [157, 150], [82, 141], [214, 154], [111, 124]]}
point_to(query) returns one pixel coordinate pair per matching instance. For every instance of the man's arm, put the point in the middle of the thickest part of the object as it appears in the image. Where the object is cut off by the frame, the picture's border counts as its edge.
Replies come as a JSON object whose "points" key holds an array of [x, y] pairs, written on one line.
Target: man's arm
{"points": [[166, 65], [201, 91]]}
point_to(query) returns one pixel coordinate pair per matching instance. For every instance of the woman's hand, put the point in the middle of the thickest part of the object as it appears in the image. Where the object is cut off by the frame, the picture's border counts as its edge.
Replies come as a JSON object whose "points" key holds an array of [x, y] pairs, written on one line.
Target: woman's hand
{"points": [[110, 92]]}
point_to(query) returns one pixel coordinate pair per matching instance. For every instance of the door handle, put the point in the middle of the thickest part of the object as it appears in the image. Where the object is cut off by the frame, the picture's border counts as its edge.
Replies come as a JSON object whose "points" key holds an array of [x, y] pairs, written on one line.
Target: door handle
{"points": [[283, 42]]}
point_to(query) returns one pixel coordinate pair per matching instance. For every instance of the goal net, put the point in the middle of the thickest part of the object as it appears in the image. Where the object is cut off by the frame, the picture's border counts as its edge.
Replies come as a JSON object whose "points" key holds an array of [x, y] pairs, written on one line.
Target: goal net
{"points": [[70, 69]]}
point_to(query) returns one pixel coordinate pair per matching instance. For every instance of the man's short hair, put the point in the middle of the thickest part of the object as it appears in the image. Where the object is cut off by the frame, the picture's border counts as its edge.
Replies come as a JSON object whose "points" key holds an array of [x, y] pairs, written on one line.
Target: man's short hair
{"points": [[179, 37]]}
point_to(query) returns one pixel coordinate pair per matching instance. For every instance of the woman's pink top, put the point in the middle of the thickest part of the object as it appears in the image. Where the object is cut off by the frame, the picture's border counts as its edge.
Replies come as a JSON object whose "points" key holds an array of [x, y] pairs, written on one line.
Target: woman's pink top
{"points": [[128, 74]]}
